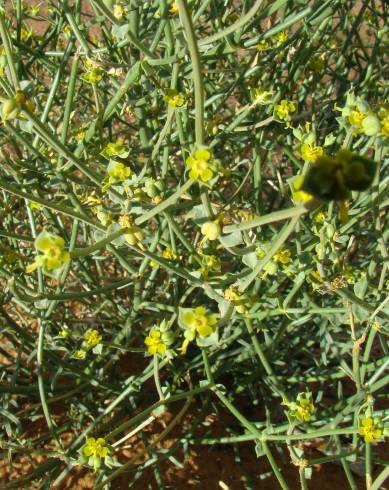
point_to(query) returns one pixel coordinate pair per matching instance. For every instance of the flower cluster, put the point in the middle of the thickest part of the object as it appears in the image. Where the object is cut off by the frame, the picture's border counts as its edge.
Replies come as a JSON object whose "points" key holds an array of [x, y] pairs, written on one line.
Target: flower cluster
{"points": [[357, 116], [159, 340], [284, 110], [91, 341]]}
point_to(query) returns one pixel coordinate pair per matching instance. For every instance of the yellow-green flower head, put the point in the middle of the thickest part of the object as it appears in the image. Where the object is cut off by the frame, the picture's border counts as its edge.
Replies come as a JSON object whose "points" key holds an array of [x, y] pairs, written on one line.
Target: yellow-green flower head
{"points": [[117, 171], [135, 234], [211, 230], [199, 321], [80, 354], [116, 148], [383, 114], [371, 429], [284, 109], [95, 450], [240, 301], [92, 338], [263, 46], [303, 408], [119, 11], [281, 37], [155, 343], [359, 116], [173, 8], [169, 254], [310, 152], [53, 257], [93, 76], [10, 109], [211, 262], [200, 165], [261, 96], [283, 256], [173, 98]]}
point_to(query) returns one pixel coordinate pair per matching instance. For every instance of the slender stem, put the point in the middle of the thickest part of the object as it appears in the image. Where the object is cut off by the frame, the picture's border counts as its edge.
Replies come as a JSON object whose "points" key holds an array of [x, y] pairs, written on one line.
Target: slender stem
{"points": [[8, 51], [156, 377], [194, 54]]}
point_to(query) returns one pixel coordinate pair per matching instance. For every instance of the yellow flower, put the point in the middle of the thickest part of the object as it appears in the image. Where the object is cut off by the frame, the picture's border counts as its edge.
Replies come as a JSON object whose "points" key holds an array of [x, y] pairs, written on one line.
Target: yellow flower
{"points": [[261, 96], [94, 450], [119, 11], [310, 152], [355, 119], [320, 217], [154, 342], [263, 46], [174, 98], [302, 408], [93, 75], [238, 300], [134, 235], [169, 254], [200, 165], [284, 109], [54, 257], [173, 8], [25, 34], [65, 332], [80, 354], [118, 171], [283, 256], [297, 193], [115, 148], [199, 322], [281, 37], [211, 230], [370, 430], [92, 338]]}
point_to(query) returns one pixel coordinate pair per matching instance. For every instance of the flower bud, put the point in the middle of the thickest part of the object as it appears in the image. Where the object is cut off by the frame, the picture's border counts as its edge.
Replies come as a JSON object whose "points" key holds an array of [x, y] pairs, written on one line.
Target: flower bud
{"points": [[211, 230]]}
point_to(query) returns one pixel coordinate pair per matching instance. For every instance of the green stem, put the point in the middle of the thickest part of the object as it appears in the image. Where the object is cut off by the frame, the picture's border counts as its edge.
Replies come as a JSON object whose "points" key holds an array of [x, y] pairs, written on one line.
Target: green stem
{"points": [[194, 54]]}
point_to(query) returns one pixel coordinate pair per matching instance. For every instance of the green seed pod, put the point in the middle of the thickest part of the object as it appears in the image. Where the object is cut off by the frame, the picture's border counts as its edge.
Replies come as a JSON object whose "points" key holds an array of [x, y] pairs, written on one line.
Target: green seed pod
{"points": [[371, 125]]}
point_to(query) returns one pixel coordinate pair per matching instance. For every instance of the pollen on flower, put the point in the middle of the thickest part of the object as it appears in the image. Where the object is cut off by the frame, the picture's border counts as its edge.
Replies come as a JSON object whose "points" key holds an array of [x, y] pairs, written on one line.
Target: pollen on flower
{"points": [[200, 165], [310, 152]]}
